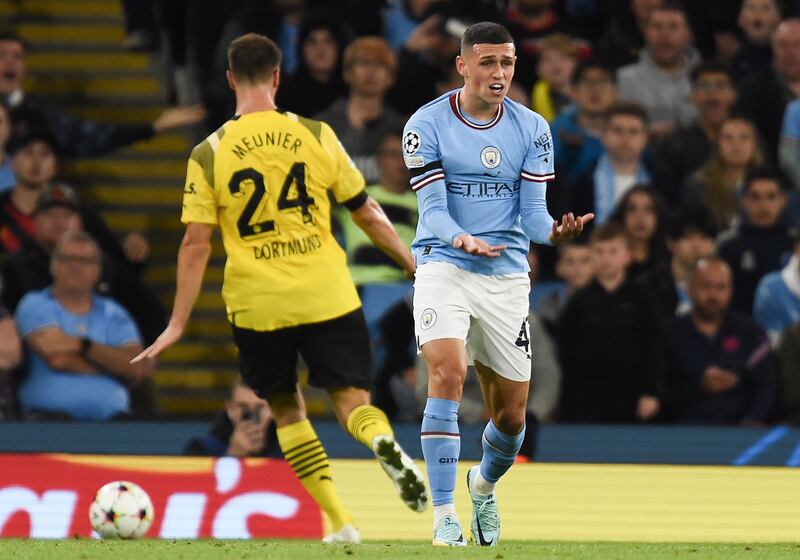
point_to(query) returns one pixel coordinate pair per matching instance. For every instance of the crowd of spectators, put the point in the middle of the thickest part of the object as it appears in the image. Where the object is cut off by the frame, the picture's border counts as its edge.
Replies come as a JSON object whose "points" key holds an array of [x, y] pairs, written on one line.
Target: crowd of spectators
{"points": [[678, 125]]}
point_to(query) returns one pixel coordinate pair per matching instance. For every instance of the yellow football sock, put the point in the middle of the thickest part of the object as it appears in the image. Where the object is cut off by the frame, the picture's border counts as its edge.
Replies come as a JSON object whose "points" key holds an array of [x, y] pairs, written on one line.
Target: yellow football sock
{"points": [[304, 452], [366, 422]]}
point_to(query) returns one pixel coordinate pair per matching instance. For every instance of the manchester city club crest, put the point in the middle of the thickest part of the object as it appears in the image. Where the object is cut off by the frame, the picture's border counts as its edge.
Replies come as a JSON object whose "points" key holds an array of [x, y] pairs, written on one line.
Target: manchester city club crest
{"points": [[427, 319], [490, 157]]}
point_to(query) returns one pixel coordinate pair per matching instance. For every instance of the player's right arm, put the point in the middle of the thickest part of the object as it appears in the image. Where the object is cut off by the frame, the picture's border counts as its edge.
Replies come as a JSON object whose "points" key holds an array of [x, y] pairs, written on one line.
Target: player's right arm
{"points": [[423, 160], [199, 215]]}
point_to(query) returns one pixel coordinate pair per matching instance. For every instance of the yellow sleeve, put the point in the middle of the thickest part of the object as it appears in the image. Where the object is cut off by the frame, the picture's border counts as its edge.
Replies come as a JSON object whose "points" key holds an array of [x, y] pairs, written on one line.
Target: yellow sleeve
{"points": [[348, 181], [199, 200]]}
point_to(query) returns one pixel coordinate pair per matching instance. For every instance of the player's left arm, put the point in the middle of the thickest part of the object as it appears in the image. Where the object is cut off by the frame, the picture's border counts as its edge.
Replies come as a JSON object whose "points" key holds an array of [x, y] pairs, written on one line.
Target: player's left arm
{"points": [[538, 169], [192, 261], [200, 216], [370, 217]]}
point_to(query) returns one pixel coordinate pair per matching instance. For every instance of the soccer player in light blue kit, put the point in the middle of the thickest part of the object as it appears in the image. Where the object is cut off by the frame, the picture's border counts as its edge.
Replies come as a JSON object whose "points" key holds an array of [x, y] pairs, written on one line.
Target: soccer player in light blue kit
{"points": [[480, 165]]}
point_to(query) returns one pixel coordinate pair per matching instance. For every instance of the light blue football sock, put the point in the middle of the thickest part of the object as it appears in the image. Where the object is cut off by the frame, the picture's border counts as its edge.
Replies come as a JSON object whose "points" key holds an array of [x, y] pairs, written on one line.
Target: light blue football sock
{"points": [[441, 445], [499, 452]]}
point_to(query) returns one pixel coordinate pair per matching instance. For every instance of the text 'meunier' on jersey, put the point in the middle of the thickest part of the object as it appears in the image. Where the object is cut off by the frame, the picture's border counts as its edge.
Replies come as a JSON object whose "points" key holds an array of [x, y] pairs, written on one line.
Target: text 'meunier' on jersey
{"points": [[264, 178]]}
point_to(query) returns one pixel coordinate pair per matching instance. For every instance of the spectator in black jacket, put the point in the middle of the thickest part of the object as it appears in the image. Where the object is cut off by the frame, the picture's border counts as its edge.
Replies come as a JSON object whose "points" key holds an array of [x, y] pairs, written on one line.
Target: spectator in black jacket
{"points": [[244, 429], [758, 20], [690, 236], [720, 368], [677, 155], [74, 137], [317, 82], [624, 35], [610, 343], [761, 242], [763, 96]]}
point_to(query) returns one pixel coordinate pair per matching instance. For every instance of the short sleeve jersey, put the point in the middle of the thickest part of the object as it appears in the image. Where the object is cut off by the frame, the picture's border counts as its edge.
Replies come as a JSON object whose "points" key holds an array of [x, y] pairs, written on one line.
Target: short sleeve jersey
{"points": [[265, 178], [484, 166]]}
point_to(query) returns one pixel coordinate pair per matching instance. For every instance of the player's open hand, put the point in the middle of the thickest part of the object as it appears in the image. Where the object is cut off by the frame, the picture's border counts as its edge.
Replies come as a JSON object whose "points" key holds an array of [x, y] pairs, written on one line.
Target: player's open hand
{"points": [[170, 336], [570, 228], [475, 246]]}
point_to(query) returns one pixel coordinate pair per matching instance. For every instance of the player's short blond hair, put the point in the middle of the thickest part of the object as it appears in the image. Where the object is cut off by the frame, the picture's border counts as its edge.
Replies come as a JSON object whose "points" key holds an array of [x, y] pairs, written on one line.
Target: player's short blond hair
{"points": [[372, 49], [252, 58]]}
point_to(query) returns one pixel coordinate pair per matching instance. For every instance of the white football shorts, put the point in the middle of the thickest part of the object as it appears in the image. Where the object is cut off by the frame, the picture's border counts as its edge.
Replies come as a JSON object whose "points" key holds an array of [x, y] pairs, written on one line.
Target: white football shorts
{"points": [[489, 313]]}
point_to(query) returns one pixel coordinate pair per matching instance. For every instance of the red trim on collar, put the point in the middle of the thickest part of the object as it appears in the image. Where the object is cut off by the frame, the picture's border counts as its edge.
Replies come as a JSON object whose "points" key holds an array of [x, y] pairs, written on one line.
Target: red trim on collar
{"points": [[457, 111]]}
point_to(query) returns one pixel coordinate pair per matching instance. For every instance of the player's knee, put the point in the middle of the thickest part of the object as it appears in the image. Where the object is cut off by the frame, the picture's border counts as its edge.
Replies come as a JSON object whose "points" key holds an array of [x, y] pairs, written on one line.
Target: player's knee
{"points": [[510, 422], [446, 376]]}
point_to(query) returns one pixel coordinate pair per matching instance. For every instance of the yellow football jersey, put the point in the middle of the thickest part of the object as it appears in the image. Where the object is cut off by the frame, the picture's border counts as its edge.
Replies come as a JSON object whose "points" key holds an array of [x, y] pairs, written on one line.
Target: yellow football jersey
{"points": [[264, 178]]}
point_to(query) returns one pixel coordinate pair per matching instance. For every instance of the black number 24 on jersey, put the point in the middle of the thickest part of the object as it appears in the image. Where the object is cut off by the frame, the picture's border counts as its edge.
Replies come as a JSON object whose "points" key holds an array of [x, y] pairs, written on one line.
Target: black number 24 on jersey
{"points": [[296, 175]]}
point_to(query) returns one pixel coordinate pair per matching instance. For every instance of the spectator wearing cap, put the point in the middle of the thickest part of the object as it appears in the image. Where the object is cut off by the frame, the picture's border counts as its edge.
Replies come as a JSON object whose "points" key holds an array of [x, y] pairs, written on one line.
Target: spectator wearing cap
{"points": [[33, 159], [317, 83], [685, 149], [777, 299], [660, 80], [6, 172], [362, 118], [760, 243], [720, 368], [58, 211], [80, 343], [558, 57], [73, 137]]}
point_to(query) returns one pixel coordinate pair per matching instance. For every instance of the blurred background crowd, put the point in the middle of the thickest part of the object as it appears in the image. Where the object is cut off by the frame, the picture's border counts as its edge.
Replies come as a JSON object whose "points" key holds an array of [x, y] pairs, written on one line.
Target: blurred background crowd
{"points": [[678, 125]]}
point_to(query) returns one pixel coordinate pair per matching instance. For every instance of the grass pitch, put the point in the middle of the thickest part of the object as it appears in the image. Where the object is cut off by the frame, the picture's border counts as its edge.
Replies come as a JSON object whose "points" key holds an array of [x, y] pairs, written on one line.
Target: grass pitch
{"points": [[84, 549]]}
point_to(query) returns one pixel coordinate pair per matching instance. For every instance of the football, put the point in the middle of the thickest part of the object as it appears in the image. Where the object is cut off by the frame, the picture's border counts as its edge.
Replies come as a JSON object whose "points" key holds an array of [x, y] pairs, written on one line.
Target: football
{"points": [[121, 509]]}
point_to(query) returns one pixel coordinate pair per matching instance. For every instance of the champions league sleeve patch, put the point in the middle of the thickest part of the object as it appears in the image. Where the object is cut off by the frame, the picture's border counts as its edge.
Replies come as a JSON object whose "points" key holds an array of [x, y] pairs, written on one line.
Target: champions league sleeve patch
{"points": [[411, 143]]}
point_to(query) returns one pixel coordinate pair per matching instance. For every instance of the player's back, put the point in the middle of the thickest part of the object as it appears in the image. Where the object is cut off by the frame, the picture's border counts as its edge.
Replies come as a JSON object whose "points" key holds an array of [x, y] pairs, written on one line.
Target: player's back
{"points": [[264, 177]]}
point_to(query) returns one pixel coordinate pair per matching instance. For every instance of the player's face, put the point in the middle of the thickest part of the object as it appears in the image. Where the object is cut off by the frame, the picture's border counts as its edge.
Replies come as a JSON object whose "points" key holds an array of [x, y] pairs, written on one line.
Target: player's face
{"points": [[487, 70], [763, 203], [595, 91], [76, 266], [640, 216], [667, 35], [52, 223], [320, 51], [575, 266], [692, 246], [12, 66], [737, 142], [710, 290], [610, 257], [714, 95], [625, 137], [758, 19], [34, 165]]}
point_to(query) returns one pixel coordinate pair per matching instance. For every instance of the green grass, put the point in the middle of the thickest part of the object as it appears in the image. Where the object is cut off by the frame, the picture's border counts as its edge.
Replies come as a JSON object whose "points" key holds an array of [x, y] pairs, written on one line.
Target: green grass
{"points": [[84, 549]]}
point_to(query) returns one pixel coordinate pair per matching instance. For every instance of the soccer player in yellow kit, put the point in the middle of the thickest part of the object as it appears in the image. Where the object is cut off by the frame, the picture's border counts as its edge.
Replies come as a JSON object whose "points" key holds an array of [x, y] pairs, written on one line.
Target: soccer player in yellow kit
{"points": [[264, 178]]}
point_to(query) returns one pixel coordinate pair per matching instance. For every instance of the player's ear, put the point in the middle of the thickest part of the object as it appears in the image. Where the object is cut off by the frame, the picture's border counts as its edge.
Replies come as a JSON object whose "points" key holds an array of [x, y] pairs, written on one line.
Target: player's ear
{"points": [[276, 78], [461, 65], [231, 83]]}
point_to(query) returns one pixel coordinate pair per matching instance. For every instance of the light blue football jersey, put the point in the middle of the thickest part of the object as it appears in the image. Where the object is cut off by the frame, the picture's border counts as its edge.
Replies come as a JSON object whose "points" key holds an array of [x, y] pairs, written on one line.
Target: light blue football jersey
{"points": [[483, 166]]}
